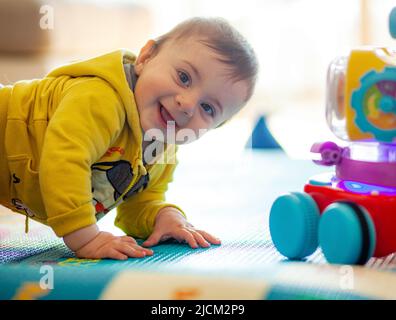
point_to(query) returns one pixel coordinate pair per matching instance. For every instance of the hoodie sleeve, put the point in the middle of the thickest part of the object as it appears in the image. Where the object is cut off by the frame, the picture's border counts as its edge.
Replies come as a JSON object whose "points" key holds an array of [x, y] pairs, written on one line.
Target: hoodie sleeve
{"points": [[136, 216], [88, 118]]}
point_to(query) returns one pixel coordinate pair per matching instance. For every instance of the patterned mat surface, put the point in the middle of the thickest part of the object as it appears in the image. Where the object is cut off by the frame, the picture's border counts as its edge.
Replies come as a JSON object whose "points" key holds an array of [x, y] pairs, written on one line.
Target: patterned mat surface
{"points": [[231, 200]]}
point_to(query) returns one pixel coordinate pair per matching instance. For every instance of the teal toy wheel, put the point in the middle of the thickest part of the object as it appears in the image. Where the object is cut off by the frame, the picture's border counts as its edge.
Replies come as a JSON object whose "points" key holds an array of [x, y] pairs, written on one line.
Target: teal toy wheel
{"points": [[392, 23], [293, 222], [346, 234]]}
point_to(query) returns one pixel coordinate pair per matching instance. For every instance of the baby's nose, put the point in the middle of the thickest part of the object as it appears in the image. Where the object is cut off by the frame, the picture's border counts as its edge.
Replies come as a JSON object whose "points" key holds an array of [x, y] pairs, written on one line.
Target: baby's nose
{"points": [[186, 105]]}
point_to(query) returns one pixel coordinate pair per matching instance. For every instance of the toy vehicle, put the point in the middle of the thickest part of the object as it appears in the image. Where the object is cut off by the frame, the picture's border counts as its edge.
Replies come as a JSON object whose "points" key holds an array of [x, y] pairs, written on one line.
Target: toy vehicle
{"points": [[350, 213]]}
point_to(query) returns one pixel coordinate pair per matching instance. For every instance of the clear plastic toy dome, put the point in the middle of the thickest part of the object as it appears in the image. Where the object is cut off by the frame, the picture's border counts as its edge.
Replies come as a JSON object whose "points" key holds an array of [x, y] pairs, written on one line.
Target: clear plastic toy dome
{"points": [[371, 152], [335, 91]]}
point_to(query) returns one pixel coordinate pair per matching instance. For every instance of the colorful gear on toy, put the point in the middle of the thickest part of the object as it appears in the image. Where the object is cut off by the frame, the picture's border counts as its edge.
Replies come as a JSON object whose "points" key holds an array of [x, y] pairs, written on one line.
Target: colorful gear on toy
{"points": [[375, 104]]}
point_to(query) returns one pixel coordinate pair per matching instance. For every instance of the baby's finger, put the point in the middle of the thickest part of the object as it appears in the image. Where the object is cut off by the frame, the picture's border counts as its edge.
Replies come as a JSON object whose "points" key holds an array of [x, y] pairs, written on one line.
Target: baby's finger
{"points": [[132, 242], [152, 240], [128, 239], [130, 251], [188, 237], [200, 239], [209, 237], [115, 254], [147, 251]]}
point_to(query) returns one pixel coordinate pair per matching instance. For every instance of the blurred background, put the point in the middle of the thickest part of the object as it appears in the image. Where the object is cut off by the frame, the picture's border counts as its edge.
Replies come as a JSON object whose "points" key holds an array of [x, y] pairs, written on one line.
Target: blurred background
{"points": [[295, 40]]}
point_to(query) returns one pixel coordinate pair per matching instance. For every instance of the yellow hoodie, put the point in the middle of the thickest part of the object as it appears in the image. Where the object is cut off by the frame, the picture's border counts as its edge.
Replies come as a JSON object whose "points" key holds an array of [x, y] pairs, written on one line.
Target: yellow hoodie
{"points": [[73, 144]]}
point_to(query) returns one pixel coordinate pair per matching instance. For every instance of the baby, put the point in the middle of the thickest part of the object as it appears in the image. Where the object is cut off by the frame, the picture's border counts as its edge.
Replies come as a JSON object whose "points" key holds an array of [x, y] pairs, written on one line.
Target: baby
{"points": [[102, 133]]}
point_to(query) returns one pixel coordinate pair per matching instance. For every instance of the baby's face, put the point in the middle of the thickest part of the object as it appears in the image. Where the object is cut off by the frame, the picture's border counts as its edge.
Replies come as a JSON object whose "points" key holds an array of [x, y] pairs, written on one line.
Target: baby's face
{"points": [[184, 86]]}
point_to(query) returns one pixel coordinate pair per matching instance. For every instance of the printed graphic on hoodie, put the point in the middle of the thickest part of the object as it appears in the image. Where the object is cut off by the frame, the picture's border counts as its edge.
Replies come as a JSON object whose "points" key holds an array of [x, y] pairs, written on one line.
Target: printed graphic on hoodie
{"points": [[109, 182]]}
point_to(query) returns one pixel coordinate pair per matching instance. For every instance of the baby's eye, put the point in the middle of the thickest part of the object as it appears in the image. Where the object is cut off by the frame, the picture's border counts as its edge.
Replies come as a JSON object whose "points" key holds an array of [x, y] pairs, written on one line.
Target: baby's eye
{"points": [[184, 78], [208, 109]]}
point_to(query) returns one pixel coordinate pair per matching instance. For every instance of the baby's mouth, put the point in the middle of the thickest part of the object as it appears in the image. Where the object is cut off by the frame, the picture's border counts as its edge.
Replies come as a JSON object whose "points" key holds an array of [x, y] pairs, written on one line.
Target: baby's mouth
{"points": [[165, 115]]}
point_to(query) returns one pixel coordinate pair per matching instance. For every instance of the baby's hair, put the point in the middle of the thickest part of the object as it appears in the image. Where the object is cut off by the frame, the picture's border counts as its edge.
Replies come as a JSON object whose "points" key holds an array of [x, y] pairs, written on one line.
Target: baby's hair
{"points": [[232, 48]]}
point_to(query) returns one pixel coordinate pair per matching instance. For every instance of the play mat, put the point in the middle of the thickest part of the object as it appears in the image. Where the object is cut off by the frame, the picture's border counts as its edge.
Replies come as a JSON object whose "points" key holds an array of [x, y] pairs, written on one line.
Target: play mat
{"points": [[230, 198]]}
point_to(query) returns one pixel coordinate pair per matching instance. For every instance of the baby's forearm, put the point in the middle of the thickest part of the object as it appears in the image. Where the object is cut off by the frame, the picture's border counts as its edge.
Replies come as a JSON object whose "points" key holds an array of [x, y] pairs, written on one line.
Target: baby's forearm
{"points": [[79, 238]]}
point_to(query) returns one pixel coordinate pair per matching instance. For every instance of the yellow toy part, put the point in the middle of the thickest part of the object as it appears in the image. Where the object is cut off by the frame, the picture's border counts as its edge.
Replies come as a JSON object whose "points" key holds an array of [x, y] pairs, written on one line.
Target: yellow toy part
{"points": [[370, 91]]}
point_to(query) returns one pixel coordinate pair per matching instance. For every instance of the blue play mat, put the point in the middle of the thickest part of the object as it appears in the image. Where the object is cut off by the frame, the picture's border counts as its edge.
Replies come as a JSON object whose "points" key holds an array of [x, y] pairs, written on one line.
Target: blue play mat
{"points": [[230, 198]]}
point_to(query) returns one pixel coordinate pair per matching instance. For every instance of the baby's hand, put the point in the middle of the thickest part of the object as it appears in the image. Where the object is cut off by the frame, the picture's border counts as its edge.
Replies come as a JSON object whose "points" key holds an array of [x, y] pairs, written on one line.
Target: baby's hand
{"points": [[106, 245], [170, 223]]}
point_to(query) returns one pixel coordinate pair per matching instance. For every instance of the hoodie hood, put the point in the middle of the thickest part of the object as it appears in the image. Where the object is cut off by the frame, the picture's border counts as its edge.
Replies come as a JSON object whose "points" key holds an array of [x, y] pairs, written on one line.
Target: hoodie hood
{"points": [[109, 67]]}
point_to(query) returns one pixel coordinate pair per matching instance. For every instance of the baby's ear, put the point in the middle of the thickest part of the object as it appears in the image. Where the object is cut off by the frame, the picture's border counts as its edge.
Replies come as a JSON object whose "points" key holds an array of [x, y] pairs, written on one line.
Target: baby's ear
{"points": [[145, 54]]}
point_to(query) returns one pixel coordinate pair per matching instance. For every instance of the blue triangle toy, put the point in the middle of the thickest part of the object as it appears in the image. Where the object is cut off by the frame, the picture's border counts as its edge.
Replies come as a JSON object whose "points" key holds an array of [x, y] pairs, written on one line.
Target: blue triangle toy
{"points": [[261, 137]]}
